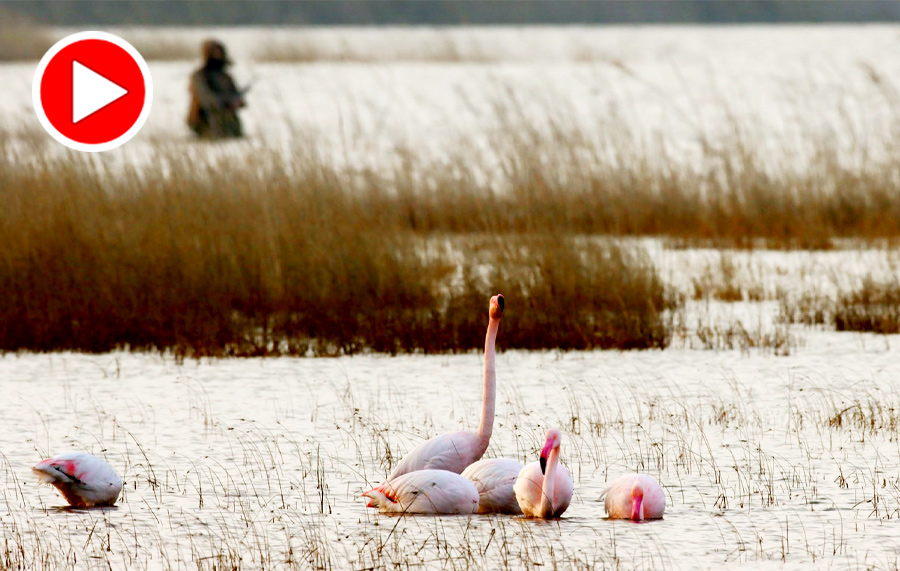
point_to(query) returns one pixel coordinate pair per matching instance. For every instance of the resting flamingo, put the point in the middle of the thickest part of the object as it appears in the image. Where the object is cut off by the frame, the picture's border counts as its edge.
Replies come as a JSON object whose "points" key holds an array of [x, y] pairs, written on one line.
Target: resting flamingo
{"points": [[634, 496], [84, 480], [425, 492], [494, 479], [544, 489], [456, 450]]}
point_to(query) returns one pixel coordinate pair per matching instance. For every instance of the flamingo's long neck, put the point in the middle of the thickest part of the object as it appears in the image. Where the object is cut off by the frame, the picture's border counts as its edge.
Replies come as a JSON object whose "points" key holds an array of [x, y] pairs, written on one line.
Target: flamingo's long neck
{"points": [[549, 484], [637, 508], [490, 387], [637, 501]]}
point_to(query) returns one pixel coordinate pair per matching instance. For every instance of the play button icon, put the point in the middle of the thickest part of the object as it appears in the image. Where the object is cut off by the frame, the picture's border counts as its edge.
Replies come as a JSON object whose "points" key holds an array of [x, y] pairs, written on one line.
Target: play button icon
{"points": [[92, 91]]}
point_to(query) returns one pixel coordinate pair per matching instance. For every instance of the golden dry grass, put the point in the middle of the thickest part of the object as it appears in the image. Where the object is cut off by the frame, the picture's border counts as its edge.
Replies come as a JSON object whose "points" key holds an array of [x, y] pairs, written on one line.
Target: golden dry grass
{"points": [[21, 39], [231, 260], [434, 46], [723, 282], [553, 178], [872, 307], [266, 255], [159, 47]]}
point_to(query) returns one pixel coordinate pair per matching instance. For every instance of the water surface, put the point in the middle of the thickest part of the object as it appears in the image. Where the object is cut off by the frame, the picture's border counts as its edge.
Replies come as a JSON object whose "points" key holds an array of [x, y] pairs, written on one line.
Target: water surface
{"points": [[260, 462]]}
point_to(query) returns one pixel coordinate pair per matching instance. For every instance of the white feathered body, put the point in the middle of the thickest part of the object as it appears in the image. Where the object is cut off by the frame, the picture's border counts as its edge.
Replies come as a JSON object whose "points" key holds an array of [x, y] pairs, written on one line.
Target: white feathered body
{"points": [[84, 480], [529, 490], [425, 492], [619, 500], [494, 479], [452, 452]]}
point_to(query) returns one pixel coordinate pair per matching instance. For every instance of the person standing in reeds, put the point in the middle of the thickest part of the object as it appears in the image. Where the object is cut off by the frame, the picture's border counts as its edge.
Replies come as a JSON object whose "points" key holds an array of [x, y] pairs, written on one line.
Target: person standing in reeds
{"points": [[215, 99]]}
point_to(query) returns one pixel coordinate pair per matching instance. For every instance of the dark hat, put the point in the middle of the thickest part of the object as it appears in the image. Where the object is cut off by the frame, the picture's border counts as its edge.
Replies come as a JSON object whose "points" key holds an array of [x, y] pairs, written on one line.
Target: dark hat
{"points": [[214, 50]]}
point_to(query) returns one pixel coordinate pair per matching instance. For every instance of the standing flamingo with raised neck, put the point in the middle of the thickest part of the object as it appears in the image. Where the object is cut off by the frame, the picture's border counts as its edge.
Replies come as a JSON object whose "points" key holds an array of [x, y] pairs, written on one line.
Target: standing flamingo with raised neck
{"points": [[544, 489], [84, 480], [456, 450], [634, 496]]}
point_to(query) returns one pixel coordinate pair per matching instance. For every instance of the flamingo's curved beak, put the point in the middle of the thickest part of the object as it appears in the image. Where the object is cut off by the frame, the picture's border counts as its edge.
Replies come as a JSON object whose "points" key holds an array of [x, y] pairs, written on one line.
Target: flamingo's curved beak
{"points": [[500, 302], [545, 453]]}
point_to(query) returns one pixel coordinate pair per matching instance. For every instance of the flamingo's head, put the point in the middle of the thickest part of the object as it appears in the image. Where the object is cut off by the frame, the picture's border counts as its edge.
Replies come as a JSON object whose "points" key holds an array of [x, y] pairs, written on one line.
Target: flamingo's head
{"points": [[497, 304], [637, 497], [554, 438]]}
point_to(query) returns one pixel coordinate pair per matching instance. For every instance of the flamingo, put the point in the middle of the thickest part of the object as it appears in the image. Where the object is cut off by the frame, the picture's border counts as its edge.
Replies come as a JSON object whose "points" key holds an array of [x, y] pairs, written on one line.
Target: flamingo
{"points": [[456, 450], [544, 489], [425, 492], [494, 479], [84, 480], [634, 496]]}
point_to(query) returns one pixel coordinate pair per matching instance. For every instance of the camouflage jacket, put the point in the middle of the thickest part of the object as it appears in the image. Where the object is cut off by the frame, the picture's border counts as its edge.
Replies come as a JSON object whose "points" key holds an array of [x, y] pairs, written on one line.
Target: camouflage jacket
{"points": [[215, 100]]}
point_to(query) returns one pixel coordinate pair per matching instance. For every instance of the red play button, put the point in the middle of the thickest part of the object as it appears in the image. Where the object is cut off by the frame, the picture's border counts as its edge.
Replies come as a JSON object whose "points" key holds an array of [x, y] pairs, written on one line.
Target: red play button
{"points": [[92, 91]]}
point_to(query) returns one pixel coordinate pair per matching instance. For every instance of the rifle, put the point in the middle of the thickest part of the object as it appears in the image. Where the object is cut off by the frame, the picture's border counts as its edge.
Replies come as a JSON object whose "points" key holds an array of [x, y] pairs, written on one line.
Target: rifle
{"points": [[243, 91]]}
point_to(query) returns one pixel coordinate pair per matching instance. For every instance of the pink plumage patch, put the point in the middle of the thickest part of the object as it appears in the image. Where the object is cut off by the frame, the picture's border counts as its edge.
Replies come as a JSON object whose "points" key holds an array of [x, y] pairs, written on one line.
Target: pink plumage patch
{"points": [[388, 492], [72, 469], [68, 467], [383, 489]]}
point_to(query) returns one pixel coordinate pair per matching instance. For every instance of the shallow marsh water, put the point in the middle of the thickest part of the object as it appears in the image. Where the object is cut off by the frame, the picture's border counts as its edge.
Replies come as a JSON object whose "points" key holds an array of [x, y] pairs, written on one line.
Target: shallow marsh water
{"points": [[260, 462]]}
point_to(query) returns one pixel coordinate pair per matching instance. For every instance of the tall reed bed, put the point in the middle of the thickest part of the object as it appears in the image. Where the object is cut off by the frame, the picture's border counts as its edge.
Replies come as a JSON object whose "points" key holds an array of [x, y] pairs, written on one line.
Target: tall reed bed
{"points": [[21, 39], [262, 254], [544, 171], [537, 168], [227, 259], [872, 306], [728, 199], [731, 198]]}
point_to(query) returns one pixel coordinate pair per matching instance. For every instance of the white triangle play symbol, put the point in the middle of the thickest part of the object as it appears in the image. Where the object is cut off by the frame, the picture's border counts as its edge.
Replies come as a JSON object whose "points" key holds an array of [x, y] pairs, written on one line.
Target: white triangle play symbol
{"points": [[91, 92]]}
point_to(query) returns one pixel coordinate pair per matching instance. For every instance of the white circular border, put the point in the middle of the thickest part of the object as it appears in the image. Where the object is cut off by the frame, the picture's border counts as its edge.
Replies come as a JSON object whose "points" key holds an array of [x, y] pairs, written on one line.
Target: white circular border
{"points": [[39, 77]]}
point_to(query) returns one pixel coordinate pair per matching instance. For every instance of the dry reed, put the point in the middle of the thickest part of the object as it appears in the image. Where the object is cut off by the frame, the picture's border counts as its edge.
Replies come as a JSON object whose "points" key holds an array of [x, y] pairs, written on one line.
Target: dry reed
{"points": [[230, 261], [550, 176], [553, 179], [437, 47], [21, 39], [873, 307], [158, 47], [265, 255], [725, 284]]}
